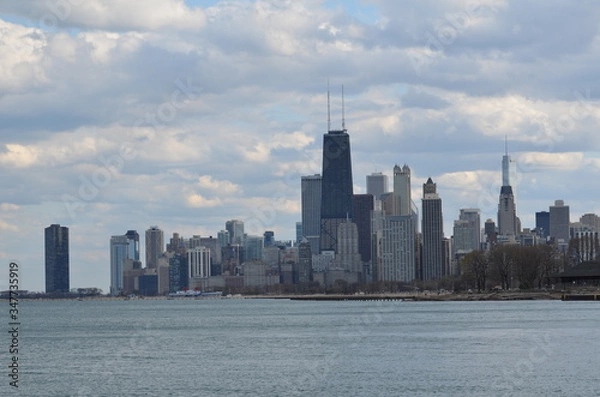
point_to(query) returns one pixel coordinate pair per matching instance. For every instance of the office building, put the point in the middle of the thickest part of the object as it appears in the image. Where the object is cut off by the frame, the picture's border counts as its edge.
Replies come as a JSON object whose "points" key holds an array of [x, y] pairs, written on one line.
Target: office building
{"points": [[559, 221], [124, 250], [310, 201], [269, 238], [363, 205], [304, 262], [508, 224], [56, 241], [198, 260], [591, 220], [348, 257], [402, 190], [393, 253], [432, 227], [253, 248], [542, 224], [235, 227], [154, 246], [223, 238], [467, 231], [377, 184], [178, 273], [507, 212], [337, 188]]}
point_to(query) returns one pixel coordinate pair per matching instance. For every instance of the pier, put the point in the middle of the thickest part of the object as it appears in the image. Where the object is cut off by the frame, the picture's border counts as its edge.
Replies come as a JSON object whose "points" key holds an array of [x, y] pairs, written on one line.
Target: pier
{"points": [[581, 297]]}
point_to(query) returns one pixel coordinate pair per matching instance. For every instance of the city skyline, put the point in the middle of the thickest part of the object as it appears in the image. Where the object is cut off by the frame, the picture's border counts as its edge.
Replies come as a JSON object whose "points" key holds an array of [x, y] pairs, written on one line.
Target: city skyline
{"points": [[206, 123]]}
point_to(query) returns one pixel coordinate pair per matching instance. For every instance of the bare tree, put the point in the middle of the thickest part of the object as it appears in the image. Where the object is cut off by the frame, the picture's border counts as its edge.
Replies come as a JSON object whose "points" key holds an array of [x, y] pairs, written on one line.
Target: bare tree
{"points": [[527, 266], [502, 261]]}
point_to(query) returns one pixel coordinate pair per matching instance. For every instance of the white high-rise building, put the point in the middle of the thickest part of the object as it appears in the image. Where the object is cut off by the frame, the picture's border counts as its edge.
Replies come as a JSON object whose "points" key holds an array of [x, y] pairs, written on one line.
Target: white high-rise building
{"points": [[394, 256], [199, 262], [402, 190], [348, 256]]}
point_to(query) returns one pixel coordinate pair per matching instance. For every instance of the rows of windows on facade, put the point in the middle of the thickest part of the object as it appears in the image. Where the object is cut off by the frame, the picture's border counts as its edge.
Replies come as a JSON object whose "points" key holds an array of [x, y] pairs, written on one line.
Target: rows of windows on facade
{"points": [[356, 238]]}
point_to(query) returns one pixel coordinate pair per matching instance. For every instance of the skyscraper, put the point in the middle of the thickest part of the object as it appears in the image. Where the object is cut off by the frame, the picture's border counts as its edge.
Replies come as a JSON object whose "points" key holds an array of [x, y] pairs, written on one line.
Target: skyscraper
{"points": [[304, 261], [348, 257], [508, 224], [472, 230], [377, 184], [507, 212], [269, 238], [542, 223], [311, 210], [154, 246], [56, 240], [198, 260], [402, 190], [509, 170], [337, 189], [490, 231], [253, 248], [363, 205], [559, 221], [224, 238], [235, 228], [433, 233], [124, 256], [393, 254]]}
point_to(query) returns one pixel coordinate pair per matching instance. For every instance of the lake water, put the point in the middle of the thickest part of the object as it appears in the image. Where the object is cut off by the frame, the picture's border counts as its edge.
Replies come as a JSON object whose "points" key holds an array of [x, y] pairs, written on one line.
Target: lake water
{"points": [[235, 347]]}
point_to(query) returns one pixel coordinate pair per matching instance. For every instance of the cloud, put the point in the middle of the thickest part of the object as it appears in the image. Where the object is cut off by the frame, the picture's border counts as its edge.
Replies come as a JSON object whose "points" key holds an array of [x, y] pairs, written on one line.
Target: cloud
{"points": [[219, 187], [198, 201], [110, 14]]}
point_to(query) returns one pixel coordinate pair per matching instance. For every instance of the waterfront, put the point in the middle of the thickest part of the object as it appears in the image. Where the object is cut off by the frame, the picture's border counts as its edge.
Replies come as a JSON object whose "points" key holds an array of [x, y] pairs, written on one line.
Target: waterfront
{"points": [[247, 347]]}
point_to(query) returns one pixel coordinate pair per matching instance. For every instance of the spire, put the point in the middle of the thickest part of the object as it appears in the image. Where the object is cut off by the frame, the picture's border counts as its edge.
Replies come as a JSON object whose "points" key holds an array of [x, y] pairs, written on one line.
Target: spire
{"points": [[343, 114], [328, 109], [506, 144]]}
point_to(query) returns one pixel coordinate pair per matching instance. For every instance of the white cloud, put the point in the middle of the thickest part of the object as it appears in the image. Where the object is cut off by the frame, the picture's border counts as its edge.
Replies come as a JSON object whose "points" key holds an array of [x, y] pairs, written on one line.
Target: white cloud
{"points": [[224, 188], [199, 201], [9, 207]]}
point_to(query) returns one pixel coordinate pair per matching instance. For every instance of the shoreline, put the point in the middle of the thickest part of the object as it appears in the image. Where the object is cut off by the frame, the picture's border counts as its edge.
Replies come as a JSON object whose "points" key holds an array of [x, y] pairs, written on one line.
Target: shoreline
{"points": [[401, 296]]}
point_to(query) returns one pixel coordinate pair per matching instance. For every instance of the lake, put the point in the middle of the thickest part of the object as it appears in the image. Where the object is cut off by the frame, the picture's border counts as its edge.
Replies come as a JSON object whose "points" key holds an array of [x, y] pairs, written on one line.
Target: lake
{"points": [[248, 347]]}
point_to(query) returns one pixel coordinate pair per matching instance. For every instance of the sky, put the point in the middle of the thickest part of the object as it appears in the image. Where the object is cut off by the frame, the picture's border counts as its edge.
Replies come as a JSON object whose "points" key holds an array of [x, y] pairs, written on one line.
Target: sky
{"points": [[121, 114]]}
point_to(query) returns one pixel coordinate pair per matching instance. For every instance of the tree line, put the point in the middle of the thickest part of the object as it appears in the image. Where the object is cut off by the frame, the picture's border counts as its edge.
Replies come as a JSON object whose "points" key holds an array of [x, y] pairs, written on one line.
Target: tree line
{"points": [[511, 266]]}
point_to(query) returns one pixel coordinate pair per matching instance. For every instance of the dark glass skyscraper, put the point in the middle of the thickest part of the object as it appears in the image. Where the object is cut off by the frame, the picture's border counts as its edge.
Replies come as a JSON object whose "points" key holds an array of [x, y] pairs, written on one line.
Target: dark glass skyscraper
{"points": [[363, 205], [542, 223], [56, 239], [336, 197], [433, 233]]}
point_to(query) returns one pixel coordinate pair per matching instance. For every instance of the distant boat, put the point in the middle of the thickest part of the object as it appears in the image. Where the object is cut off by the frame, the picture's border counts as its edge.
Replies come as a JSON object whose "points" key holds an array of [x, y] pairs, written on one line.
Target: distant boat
{"points": [[193, 293]]}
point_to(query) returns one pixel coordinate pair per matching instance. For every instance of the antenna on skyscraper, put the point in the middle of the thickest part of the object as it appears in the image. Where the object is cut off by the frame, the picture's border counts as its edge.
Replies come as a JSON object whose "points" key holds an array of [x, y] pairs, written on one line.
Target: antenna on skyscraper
{"points": [[343, 114], [506, 144], [328, 109]]}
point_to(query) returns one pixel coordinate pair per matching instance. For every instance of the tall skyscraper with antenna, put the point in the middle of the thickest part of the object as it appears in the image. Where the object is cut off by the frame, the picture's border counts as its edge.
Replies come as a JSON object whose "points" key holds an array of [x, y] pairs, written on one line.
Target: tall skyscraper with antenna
{"points": [[337, 188], [507, 211]]}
